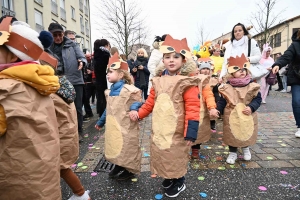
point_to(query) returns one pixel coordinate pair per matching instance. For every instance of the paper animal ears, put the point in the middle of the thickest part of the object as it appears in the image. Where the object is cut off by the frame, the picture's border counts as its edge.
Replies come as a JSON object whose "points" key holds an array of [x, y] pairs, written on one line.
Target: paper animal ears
{"points": [[237, 63], [116, 63], [173, 45]]}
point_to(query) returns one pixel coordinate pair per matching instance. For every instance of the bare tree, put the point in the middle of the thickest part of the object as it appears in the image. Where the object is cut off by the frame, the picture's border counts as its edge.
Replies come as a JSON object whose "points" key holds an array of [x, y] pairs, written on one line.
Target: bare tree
{"points": [[122, 24], [264, 20], [201, 34]]}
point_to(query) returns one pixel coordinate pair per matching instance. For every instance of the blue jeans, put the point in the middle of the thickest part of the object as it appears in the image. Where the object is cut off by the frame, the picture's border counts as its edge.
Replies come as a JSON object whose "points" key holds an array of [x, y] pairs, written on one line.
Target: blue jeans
{"points": [[296, 103]]}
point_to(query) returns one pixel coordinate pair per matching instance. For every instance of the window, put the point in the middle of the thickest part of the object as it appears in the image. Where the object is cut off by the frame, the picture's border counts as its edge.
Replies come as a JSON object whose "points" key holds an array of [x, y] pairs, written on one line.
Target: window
{"points": [[80, 5], [62, 4], [73, 13], [295, 30], [87, 30], [53, 20], [87, 44], [54, 7], [277, 40], [86, 10], [271, 41], [62, 10], [81, 24], [38, 21], [8, 4], [39, 2]]}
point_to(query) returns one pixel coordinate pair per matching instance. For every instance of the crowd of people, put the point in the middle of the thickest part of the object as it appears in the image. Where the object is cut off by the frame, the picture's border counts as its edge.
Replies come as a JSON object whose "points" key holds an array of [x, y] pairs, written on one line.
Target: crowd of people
{"points": [[46, 80]]}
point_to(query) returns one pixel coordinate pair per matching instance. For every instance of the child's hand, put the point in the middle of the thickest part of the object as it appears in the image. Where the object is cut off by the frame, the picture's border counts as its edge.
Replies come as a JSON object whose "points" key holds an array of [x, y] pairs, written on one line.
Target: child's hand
{"points": [[247, 111], [98, 127], [134, 116], [189, 143], [214, 113]]}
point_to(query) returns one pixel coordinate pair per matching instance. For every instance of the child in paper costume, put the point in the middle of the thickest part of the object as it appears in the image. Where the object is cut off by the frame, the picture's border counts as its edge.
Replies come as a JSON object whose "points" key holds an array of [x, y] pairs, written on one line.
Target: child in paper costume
{"points": [[240, 98], [178, 108], [67, 123], [29, 140], [121, 134]]}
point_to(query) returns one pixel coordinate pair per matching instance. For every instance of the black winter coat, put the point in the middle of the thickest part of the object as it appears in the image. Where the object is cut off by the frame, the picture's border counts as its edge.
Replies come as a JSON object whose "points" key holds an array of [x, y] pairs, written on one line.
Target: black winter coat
{"points": [[141, 76], [291, 56], [101, 58]]}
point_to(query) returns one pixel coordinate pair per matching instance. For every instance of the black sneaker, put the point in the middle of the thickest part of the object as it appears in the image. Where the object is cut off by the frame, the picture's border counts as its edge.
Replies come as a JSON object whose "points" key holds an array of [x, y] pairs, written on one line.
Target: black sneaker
{"points": [[167, 183], [175, 189], [125, 175], [86, 117], [116, 170]]}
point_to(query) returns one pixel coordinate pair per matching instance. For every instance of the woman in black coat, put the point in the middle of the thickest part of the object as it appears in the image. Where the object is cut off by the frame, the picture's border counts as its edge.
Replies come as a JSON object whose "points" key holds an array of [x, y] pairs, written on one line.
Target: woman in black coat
{"points": [[101, 57], [292, 56]]}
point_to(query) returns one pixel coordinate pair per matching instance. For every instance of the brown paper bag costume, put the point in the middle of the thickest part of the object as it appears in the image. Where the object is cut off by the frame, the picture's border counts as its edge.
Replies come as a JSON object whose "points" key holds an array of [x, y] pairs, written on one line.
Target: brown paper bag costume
{"points": [[29, 150], [121, 134], [239, 130], [204, 131], [68, 132], [169, 152]]}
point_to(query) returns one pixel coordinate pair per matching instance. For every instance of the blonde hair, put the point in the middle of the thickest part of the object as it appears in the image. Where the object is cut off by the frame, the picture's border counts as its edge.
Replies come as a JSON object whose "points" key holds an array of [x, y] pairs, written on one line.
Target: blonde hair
{"points": [[229, 76], [189, 67], [123, 56], [144, 51], [114, 50], [126, 76]]}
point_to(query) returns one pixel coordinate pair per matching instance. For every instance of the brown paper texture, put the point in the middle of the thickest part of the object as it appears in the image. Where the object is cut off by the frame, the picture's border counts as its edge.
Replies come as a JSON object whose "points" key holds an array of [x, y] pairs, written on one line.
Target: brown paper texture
{"points": [[29, 150], [239, 130], [121, 134]]}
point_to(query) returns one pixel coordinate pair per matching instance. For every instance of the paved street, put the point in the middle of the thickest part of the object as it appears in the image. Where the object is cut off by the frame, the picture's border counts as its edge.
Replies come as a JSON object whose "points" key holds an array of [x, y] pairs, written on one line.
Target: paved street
{"points": [[275, 163]]}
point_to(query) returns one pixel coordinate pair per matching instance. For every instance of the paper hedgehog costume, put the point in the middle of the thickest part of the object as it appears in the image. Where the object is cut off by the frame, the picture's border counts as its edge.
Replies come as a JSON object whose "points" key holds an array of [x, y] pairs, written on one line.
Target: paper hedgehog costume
{"points": [[240, 130], [29, 140], [121, 134]]}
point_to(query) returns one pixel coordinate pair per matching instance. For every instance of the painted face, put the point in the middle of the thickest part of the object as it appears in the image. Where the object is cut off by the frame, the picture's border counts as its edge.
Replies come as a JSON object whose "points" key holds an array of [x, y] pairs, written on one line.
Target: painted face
{"points": [[141, 53], [113, 76], [242, 73], [205, 71], [58, 37], [238, 32], [173, 62]]}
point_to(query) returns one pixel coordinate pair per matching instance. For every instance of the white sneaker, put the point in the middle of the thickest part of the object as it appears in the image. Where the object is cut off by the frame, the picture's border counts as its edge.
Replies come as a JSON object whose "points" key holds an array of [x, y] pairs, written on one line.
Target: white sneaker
{"points": [[247, 153], [263, 102], [85, 196], [297, 134], [283, 90], [231, 158]]}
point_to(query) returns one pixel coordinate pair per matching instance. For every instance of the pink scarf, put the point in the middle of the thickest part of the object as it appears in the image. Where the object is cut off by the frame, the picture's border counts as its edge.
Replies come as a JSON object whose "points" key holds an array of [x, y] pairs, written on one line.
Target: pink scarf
{"points": [[240, 82], [5, 66]]}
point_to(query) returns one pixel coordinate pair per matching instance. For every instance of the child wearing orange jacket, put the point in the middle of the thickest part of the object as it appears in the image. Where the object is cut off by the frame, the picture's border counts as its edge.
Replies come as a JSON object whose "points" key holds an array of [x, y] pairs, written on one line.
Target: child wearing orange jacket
{"points": [[173, 100]]}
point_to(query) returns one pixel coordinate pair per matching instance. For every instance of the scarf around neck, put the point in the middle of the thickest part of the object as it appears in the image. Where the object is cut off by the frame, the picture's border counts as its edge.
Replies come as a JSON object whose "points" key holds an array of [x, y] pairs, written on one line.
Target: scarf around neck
{"points": [[240, 82]]}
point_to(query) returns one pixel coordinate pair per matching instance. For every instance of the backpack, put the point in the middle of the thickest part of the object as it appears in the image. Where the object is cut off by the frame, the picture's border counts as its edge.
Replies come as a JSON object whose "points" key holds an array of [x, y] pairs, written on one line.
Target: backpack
{"points": [[271, 79]]}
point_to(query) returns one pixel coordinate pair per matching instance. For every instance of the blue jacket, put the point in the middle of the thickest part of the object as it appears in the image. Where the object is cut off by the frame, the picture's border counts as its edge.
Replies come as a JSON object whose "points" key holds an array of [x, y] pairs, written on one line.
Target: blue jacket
{"points": [[114, 91]]}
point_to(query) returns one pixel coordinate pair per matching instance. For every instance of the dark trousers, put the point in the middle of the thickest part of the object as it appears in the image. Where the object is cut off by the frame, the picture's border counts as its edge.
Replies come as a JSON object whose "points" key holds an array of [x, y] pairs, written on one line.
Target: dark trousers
{"points": [[280, 85], [181, 180], [78, 105], [88, 91], [145, 91], [296, 103], [101, 101], [233, 149], [196, 146]]}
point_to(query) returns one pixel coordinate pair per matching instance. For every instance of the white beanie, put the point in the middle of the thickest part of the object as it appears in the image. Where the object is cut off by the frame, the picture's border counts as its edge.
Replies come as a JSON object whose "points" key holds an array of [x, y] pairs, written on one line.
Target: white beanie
{"points": [[203, 65], [24, 30]]}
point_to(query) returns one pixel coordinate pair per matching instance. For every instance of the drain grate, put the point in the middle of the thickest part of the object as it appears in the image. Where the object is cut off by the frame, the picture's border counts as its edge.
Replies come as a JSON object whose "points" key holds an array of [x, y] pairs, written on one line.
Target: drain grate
{"points": [[104, 166]]}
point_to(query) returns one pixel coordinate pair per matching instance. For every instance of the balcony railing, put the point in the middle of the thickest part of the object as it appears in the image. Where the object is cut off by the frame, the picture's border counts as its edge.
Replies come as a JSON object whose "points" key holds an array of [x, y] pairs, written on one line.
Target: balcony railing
{"points": [[81, 6], [63, 14], [86, 11], [6, 11], [39, 2], [54, 7], [39, 28], [82, 28]]}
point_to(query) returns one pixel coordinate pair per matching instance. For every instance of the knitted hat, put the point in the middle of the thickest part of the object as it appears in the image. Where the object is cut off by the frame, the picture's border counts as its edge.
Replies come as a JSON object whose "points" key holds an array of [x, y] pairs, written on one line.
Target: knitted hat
{"points": [[20, 39], [205, 63]]}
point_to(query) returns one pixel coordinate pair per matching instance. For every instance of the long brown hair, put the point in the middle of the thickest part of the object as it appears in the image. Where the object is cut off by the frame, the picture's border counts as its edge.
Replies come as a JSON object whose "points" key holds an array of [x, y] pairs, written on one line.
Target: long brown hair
{"points": [[298, 34]]}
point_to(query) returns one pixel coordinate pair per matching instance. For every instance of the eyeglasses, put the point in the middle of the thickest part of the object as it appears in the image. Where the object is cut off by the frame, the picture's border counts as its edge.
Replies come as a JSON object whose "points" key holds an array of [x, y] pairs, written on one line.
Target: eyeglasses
{"points": [[57, 35]]}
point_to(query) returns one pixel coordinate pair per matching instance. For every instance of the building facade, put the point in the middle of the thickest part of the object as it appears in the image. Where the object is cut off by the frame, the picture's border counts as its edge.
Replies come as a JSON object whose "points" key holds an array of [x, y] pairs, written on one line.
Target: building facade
{"points": [[71, 14]]}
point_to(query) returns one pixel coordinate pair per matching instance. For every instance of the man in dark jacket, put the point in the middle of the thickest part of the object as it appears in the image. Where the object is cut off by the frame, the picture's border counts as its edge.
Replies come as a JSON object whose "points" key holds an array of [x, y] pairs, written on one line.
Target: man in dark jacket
{"points": [[72, 61], [292, 56]]}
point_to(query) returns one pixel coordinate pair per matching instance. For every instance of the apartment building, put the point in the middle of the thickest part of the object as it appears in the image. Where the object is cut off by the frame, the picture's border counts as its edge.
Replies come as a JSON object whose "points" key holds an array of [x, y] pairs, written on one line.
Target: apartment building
{"points": [[71, 14]]}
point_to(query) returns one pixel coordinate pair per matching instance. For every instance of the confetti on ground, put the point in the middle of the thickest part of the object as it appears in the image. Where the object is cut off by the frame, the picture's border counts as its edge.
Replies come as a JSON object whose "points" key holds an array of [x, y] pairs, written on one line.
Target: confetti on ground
{"points": [[153, 175], [202, 157], [221, 168], [158, 196], [84, 167], [93, 174], [218, 153], [226, 148], [196, 166], [283, 172], [86, 135], [134, 180], [208, 147], [219, 158], [98, 148], [95, 138], [146, 155], [142, 148], [232, 166], [80, 164], [243, 165], [91, 145], [203, 195], [262, 188], [219, 138], [225, 152], [284, 145], [270, 158], [220, 147], [220, 133], [260, 140], [74, 165], [201, 178], [241, 156], [279, 141]]}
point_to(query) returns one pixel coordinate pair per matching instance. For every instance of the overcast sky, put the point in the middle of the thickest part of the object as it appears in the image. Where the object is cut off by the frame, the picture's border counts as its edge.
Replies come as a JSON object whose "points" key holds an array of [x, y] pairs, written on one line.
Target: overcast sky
{"points": [[180, 18]]}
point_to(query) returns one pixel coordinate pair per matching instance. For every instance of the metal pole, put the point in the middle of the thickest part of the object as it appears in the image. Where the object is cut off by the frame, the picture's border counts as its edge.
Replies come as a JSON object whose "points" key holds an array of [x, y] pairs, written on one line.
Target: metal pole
{"points": [[26, 14]]}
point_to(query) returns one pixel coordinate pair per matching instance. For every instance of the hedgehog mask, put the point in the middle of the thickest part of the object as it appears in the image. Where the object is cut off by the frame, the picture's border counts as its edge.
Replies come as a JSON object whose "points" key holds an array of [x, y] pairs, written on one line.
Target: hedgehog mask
{"points": [[171, 45], [116, 63], [237, 63]]}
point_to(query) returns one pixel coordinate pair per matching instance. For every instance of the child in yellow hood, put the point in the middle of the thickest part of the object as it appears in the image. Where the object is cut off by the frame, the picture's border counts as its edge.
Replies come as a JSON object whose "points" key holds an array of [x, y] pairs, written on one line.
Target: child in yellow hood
{"points": [[29, 140]]}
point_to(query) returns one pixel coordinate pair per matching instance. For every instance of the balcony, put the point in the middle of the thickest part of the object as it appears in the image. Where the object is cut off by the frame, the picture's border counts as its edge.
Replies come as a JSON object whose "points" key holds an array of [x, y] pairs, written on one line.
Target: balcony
{"points": [[82, 28], [54, 8], [6, 11], [86, 11], [63, 14], [40, 2], [39, 28], [81, 6]]}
